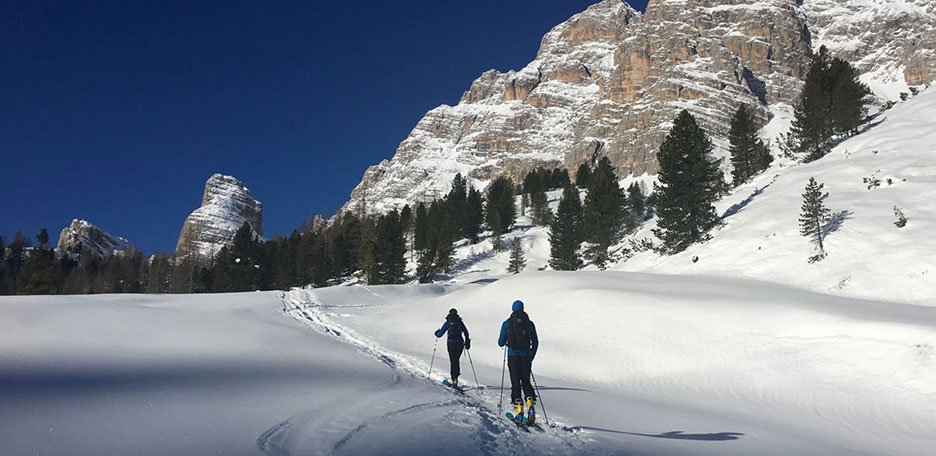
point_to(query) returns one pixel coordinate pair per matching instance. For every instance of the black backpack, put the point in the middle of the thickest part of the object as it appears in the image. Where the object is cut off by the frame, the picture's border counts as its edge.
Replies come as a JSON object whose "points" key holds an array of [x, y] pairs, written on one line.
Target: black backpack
{"points": [[519, 331], [455, 328]]}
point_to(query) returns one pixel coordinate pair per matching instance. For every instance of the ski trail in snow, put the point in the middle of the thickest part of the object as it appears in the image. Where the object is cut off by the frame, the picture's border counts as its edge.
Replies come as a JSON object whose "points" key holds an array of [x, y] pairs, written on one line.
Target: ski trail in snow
{"points": [[367, 419]]}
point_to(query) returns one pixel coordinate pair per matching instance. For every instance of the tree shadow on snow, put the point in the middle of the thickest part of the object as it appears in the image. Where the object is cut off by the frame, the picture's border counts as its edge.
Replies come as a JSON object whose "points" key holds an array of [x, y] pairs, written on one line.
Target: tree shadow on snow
{"points": [[836, 221], [735, 208], [678, 435]]}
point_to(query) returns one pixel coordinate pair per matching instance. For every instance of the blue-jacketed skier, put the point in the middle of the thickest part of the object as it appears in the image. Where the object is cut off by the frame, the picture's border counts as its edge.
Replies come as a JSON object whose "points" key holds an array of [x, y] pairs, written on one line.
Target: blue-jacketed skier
{"points": [[518, 333], [458, 339]]}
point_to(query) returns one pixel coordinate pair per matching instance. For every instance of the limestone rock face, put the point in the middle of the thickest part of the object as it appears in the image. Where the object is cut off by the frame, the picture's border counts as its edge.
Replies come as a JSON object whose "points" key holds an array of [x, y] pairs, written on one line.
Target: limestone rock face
{"points": [[226, 205], [892, 42], [83, 238], [609, 81]]}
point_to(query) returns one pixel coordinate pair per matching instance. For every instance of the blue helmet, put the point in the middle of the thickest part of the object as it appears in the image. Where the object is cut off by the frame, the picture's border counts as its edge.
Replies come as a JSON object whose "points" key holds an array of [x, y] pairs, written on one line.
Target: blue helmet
{"points": [[517, 305]]}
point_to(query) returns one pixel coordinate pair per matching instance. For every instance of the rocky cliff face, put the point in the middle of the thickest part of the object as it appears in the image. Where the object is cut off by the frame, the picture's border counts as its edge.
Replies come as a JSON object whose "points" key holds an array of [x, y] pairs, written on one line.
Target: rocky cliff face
{"points": [[608, 82], [83, 238], [226, 205]]}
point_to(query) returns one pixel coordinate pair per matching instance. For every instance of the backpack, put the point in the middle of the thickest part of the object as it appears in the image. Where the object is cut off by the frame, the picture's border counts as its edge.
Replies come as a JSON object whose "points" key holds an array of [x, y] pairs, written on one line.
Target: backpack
{"points": [[455, 329], [519, 333]]}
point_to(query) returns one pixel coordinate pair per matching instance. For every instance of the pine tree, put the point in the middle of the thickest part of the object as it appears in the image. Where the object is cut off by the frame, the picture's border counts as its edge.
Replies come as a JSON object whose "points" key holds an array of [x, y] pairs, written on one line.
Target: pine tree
{"points": [[583, 176], [420, 228], [390, 250], [749, 154], [690, 181], [565, 232], [604, 212], [848, 97], [812, 128], [474, 215], [500, 201], [517, 262], [560, 178], [636, 202], [38, 275], [455, 201], [814, 215]]}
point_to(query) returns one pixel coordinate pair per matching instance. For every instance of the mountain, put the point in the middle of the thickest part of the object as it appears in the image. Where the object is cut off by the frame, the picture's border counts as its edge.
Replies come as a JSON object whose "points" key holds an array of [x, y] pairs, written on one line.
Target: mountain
{"points": [[81, 237], [609, 80], [226, 205]]}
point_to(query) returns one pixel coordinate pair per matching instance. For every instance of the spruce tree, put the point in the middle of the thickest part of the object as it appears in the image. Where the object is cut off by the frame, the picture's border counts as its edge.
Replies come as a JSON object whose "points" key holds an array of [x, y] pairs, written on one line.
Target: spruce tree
{"points": [[848, 98], [420, 228], [500, 204], [565, 232], [636, 202], [690, 181], [583, 176], [749, 154], [517, 261], [560, 177], [455, 201], [38, 275], [474, 215], [604, 212], [814, 214], [813, 127], [390, 250]]}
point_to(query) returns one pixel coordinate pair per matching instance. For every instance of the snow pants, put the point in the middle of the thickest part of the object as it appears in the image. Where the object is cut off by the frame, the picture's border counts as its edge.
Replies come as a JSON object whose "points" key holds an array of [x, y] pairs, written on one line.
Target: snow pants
{"points": [[455, 351], [520, 367]]}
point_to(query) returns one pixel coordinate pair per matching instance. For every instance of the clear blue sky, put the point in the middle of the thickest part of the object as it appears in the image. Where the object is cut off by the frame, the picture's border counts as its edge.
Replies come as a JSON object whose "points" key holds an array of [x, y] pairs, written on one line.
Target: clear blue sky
{"points": [[118, 111]]}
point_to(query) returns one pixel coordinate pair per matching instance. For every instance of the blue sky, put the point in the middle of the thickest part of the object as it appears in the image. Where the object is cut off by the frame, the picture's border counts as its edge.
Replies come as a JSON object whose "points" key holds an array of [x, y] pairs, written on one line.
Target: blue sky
{"points": [[118, 111]]}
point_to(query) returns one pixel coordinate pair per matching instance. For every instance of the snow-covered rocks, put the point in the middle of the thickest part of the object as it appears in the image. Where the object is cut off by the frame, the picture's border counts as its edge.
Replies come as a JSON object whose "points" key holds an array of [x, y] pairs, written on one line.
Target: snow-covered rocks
{"points": [[609, 80], [83, 238], [226, 205]]}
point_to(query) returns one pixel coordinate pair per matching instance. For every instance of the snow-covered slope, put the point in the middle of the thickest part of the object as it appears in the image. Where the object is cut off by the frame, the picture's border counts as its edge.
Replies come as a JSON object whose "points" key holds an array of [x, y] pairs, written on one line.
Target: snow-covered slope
{"points": [[636, 364], [868, 255]]}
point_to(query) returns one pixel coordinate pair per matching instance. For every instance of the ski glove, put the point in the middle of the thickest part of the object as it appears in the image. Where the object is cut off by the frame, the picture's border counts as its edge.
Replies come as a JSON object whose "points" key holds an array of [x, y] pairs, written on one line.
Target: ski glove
{"points": [[438, 333], [468, 344]]}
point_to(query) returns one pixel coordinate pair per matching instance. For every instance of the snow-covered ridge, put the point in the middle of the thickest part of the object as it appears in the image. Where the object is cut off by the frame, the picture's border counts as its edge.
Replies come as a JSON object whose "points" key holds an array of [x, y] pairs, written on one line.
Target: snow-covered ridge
{"points": [[81, 237]]}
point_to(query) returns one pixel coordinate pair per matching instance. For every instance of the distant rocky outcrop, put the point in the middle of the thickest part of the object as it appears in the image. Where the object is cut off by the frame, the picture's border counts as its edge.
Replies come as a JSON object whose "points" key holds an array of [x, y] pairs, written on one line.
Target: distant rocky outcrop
{"points": [[226, 205], [83, 238], [609, 81]]}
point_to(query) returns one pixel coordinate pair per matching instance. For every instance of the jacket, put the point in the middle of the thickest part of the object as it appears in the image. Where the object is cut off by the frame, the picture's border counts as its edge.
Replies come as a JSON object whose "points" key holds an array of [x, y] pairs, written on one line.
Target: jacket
{"points": [[455, 335]]}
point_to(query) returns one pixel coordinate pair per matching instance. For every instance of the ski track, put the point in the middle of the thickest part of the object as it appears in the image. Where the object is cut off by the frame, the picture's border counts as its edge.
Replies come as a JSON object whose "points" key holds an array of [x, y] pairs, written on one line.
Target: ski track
{"points": [[476, 409]]}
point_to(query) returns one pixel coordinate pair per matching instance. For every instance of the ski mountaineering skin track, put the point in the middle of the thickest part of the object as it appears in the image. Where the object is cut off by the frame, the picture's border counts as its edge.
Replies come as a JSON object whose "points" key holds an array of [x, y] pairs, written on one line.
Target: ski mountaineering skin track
{"points": [[349, 424]]}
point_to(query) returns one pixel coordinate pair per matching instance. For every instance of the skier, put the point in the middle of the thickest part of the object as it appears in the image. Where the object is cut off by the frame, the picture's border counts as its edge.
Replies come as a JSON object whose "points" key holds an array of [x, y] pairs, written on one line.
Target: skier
{"points": [[455, 327], [518, 333]]}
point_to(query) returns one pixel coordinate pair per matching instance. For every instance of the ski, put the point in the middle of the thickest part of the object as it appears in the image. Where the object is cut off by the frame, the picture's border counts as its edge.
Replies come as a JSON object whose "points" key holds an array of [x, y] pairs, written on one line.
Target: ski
{"points": [[524, 423]]}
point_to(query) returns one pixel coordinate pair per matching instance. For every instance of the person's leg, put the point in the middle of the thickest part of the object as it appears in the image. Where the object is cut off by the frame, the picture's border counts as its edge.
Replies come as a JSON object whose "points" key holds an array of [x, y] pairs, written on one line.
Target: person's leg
{"points": [[513, 365], [455, 351], [526, 365]]}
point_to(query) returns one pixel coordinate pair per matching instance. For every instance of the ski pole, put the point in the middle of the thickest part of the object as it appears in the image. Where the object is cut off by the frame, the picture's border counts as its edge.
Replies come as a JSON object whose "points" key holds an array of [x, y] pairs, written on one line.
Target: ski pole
{"points": [[472, 368], [540, 397], [433, 358], [500, 402]]}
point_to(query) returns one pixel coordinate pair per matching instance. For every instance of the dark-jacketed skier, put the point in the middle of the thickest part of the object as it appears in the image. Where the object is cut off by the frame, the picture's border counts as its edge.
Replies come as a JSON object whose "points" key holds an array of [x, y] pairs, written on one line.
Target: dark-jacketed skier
{"points": [[458, 339], [518, 333]]}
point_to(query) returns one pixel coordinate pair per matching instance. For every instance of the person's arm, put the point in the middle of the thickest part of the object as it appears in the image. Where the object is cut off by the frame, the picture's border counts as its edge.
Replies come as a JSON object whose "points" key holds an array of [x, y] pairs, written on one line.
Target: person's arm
{"points": [[502, 340], [467, 337], [442, 330], [534, 338]]}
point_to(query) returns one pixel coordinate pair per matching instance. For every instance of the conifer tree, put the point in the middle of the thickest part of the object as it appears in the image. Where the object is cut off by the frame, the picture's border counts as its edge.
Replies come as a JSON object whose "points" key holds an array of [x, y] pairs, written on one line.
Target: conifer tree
{"points": [[636, 202], [474, 215], [38, 275], [517, 261], [455, 201], [565, 232], [690, 181], [390, 250], [848, 98], [814, 214], [367, 261], [604, 212], [583, 176], [500, 204], [749, 154], [420, 228]]}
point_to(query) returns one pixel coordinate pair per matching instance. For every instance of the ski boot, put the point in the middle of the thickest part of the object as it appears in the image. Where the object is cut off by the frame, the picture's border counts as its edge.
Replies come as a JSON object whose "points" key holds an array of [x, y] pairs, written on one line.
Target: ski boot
{"points": [[531, 412], [454, 383], [518, 410]]}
